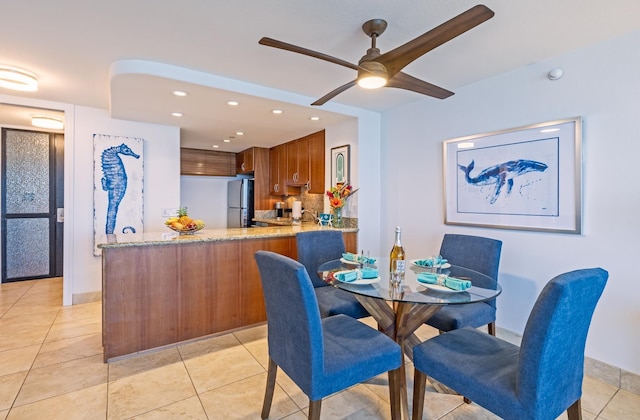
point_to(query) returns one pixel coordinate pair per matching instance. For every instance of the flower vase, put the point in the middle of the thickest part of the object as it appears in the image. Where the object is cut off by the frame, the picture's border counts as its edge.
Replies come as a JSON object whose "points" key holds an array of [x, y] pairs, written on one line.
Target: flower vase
{"points": [[337, 217]]}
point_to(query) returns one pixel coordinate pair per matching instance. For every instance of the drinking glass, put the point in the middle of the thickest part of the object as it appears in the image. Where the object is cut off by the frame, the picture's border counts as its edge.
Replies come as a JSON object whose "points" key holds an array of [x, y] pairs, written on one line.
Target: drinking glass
{"points": [[436, 263]]}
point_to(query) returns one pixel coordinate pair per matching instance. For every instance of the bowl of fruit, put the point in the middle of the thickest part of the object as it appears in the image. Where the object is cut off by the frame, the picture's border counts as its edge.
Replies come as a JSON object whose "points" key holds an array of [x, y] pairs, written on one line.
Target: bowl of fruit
{"points": [[183, 224]]}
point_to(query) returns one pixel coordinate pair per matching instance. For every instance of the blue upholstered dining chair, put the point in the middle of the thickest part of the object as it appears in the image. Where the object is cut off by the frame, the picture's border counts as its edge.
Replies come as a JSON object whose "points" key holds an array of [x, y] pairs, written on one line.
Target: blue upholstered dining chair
{"points": [[538, 380], [479, 254], [322, 356], [315, 248]]}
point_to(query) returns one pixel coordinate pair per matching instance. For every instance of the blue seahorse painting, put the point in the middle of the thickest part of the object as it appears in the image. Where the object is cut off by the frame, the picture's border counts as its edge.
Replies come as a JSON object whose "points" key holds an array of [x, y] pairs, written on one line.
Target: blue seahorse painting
{"points": [[114, 180], [501, 174]]}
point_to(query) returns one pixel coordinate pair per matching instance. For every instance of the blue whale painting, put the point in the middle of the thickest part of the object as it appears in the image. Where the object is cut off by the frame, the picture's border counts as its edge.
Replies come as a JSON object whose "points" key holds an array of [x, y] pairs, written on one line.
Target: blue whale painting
{"points": [[501, 174]]}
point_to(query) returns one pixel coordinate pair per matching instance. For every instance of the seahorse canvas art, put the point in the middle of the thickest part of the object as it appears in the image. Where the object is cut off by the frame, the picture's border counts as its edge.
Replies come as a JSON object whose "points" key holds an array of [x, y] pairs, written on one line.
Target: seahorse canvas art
{"points": [[118, 186]]}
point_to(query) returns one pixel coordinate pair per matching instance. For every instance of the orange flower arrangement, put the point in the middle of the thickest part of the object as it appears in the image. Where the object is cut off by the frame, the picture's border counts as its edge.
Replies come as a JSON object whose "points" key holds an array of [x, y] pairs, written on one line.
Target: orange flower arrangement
{"points": [[339, 194]]}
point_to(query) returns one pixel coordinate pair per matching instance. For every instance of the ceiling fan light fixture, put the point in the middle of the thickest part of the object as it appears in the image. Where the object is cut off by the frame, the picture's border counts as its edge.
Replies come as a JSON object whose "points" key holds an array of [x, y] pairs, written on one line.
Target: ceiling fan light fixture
{"points": [[372, 82], [372, 75], [44, 121], [17, 79]]}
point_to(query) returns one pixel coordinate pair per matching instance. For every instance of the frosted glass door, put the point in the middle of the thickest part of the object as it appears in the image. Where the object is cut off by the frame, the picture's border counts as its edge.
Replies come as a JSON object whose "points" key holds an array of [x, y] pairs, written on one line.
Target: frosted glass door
{"points": [[28, 208]]}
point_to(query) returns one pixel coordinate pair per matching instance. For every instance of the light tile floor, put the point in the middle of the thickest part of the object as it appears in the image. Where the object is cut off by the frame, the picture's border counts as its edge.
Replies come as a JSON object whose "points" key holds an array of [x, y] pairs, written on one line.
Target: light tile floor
{"points": [[51, 368]]}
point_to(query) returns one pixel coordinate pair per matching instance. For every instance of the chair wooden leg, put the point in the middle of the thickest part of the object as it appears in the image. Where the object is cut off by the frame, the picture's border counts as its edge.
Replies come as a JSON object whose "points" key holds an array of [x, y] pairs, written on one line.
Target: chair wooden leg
{"points": [[271, 384], [419, 386], [575, 411], [492, 328], [394, 394], [314, 409]]}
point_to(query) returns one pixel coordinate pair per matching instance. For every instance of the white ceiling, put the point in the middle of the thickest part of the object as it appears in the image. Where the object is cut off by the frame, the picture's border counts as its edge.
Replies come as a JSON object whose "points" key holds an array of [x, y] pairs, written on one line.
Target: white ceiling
{"points": [[75, 45]]}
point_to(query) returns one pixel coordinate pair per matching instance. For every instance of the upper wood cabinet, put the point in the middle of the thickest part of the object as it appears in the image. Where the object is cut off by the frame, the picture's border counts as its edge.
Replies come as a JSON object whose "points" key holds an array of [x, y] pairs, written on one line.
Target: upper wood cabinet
{"points": [[245, 161], [298, 162], [316, 163], [207, 162], [262, 199], [277, 170]]}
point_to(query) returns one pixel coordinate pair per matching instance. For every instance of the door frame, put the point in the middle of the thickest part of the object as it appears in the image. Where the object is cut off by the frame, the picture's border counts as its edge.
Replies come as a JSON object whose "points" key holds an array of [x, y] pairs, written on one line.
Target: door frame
{"points": [[69, 146]]}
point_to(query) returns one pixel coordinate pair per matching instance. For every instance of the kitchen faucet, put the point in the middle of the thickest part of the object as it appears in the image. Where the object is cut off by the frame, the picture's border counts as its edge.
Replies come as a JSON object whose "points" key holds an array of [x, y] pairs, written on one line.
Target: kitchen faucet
{"points": [[314, 214]]}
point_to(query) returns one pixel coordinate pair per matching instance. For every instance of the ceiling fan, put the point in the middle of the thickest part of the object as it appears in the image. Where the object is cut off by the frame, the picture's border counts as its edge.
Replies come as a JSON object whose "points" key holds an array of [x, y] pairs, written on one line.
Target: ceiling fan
{"points": [[377, 70]]}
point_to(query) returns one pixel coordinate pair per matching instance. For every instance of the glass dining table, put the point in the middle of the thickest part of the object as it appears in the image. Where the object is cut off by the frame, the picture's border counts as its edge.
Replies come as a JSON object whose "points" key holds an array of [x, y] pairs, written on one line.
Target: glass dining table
{"points": [[400, 310]]}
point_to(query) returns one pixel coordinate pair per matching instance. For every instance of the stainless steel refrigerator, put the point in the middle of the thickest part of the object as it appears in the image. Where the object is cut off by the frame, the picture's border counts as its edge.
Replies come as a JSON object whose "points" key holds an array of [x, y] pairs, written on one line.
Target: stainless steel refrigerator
{"points": [[240, 203]]}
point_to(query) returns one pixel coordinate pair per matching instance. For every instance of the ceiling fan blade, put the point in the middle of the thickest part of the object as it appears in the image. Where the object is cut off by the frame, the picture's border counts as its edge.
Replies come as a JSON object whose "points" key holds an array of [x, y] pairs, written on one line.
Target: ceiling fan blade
{"points": [[334, 93], [396, 59], [270, 42], [404, 81]]}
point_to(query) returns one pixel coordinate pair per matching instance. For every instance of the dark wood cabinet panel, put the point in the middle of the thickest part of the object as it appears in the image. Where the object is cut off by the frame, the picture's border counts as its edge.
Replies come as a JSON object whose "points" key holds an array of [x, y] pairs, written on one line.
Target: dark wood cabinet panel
{"points": [[192, 162], [157, 295], [138, 313], [207, 162]]}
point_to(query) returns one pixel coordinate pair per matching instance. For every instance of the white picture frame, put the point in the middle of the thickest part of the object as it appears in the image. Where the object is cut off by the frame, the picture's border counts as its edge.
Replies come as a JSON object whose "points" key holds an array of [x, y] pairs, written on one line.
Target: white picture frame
{"points": [[525, 178]]}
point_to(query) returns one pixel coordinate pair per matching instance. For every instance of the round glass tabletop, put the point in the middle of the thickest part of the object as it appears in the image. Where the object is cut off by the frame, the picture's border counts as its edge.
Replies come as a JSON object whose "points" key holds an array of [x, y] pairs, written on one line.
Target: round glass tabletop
{"points": [[412, 290]]}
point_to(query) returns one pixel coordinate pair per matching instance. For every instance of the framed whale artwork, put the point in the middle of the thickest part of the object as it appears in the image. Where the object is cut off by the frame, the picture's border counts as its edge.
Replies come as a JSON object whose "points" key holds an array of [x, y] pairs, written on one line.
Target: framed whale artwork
{"points": [[525, 178], [117, 188]]}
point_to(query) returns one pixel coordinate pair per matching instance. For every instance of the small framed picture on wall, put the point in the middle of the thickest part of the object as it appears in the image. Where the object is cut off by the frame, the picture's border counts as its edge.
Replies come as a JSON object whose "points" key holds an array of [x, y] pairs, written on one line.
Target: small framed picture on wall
{"points": [[340, 165]]}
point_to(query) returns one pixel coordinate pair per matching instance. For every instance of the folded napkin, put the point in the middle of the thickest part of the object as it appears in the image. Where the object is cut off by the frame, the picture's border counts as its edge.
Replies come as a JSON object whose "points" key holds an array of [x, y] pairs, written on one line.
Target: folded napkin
{"points": [[358, 258], [450, 282], [369, 273], [347, 276], [428, 262]]}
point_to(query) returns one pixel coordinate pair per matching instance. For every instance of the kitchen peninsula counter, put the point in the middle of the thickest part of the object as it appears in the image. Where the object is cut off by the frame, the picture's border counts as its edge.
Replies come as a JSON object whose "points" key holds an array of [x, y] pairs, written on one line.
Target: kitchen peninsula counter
{"points": [[162, 288]]}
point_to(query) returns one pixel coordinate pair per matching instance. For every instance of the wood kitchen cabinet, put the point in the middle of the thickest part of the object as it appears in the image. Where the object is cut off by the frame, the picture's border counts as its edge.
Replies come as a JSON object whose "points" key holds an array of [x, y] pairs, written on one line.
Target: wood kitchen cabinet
{"points": [[245, 161], [316, 163], [161, 293], [277, 170], [262, 199], [207, 162], [298, 162]]}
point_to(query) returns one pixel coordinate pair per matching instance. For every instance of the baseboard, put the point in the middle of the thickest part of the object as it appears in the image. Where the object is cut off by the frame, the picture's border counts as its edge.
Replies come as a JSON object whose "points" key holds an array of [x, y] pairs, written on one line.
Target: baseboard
{"points": [[89, 297], [593, 368]]}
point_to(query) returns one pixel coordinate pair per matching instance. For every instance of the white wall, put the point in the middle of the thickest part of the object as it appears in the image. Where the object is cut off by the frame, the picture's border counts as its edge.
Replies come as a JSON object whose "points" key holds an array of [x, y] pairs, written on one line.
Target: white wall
{"points": [[206, 199], [602, 85], [161, 186]]}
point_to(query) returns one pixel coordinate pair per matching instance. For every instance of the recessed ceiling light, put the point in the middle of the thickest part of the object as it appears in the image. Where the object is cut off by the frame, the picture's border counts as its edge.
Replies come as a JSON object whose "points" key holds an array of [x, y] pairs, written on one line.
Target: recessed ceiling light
{"points": [[18, 79], [233, 103], [239, 133], [276, 111], [44, 121], [177, 114], [180, 93], [314, 118], [215, 146], [227, 140]]}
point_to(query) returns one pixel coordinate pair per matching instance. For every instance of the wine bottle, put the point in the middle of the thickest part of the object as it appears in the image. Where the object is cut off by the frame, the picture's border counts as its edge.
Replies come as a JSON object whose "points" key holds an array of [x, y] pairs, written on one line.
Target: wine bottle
{"points": [[396, 260]]}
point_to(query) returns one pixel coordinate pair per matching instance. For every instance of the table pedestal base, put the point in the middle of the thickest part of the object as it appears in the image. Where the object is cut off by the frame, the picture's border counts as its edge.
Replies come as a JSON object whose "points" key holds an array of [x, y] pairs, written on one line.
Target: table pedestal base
{"points": [[399, 321]]}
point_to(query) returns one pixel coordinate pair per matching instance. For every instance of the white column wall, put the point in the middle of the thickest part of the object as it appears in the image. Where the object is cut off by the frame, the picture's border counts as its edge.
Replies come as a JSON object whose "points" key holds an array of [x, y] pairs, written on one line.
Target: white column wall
{"points": [[601, 84]]}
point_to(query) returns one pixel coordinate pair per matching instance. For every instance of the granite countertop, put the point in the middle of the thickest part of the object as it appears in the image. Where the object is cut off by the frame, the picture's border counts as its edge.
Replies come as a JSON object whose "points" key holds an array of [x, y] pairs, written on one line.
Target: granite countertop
{"points": [[282, 221], [210, 235]]}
